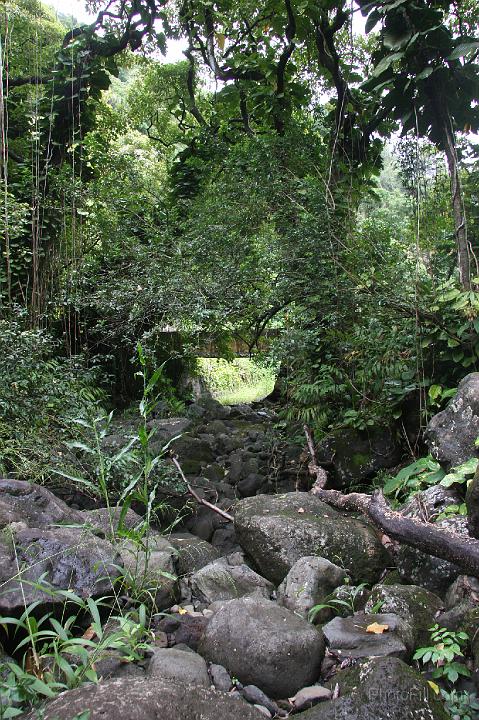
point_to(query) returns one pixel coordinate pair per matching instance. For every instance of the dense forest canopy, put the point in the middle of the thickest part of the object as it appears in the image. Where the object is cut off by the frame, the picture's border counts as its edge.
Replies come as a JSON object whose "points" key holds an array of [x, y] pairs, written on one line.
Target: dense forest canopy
{"points": [[241, 189], [294, 203], [288, 176]]}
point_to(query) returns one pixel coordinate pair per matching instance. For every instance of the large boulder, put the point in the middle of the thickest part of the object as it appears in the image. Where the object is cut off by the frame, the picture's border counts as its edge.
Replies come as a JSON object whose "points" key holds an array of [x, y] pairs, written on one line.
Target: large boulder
{"points": [[192, 553], [382, 688], [148, 699], [353, 457], [60, 558], [415, 605], [472, 503], [221, 581], [308, 583], [352, 637], [277, 530], [151, 568], [107, 520], [265, 645], [183, 665], [419, 568], [451, 434], [427, 504], [33, 505], [166, 429]]}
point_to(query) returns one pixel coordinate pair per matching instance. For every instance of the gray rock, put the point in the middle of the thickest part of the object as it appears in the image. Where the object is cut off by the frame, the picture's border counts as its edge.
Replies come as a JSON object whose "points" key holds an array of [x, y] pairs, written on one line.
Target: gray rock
{"points": [[277, 530], [33, 505], [348, 637], [415, 605], [265, 645], [383, 688], [213, 409], [255, 696], [264, 711], [451, 434], [149, 699], [309, 696], [205, 521], [192, 552], [168, 428], [152, 568], [193, 453], [113, 664], [214, 472], [354, 456], [472, 504], [250, 485], [221, 581], [105, 519], [220, 677], [355, 597], [464, 588], [174, 664], [432, 573], [427, 504], [236, 467], [61, 558], [225, 540], [453, 618], [309, 582]]}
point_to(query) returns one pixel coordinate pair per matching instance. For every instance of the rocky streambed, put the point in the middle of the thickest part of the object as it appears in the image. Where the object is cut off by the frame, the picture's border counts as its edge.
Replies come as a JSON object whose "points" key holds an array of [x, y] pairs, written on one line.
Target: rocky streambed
{"points": [[231, 634]]}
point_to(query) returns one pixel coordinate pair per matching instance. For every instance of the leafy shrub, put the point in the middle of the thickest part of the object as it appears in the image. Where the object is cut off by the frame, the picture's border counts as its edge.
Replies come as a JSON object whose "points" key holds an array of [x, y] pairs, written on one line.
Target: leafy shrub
{"points": [[37, 384]]}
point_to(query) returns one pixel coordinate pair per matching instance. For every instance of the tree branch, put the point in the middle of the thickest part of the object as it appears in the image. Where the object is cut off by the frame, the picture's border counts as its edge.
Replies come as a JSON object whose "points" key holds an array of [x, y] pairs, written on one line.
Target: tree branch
{"points": [[426, 537]]}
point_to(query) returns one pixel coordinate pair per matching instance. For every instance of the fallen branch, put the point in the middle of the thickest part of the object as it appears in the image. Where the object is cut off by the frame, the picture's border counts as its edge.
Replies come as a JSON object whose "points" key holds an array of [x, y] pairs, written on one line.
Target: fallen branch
{"points": [[427, 537], [198, 499], [314, 469]]}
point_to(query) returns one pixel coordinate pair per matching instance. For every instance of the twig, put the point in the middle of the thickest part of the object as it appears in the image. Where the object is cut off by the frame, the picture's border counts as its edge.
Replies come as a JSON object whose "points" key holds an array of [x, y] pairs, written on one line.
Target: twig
{"points": [[198, 499]]}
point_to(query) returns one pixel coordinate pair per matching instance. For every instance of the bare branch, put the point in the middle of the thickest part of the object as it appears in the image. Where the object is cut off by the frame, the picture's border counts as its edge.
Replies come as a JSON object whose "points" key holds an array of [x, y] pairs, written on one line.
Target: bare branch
{"points": [[198, 499]]}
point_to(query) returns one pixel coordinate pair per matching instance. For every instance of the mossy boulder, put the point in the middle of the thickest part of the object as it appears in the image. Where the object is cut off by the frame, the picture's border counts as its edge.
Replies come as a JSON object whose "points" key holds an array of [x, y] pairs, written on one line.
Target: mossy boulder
{"points": [[192, 553], [146, 699], [354, 457], [265, 645], [472, 502], [383, 688], [277, 530], [415, 605], [470, 625], [433, 573]]}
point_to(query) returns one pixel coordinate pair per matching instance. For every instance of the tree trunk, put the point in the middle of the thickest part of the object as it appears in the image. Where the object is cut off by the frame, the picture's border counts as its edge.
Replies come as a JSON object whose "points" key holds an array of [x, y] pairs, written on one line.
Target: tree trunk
{"points": [[460, 228], [427, 537]]}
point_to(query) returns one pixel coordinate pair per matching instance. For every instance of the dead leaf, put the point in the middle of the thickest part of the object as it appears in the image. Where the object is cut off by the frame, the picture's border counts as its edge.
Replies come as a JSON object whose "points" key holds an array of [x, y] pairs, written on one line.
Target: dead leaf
{"points": [[89, 633], [182, 611], [220, 39], [301, 510], [377, 628], [434, 686]]}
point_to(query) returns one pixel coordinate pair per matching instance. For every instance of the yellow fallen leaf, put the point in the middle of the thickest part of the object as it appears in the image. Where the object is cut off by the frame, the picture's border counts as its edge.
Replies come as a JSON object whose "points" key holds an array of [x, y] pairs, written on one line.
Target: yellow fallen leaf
{"points": [[377, 628], [434, 686], [182, 611]]}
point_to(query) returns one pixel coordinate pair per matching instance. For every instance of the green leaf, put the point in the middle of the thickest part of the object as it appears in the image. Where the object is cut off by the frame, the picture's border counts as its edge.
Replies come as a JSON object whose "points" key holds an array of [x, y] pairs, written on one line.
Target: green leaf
{"points": [[386, 62], [464, 49], [435, 391]]}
